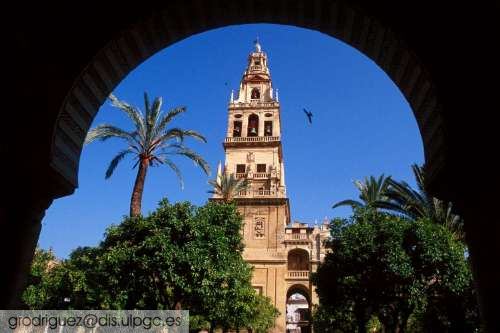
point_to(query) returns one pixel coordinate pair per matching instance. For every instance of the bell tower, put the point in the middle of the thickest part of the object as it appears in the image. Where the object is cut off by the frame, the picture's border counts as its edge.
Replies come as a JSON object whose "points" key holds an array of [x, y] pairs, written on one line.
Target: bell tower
{"points": [[253, 140], [253, 151]]}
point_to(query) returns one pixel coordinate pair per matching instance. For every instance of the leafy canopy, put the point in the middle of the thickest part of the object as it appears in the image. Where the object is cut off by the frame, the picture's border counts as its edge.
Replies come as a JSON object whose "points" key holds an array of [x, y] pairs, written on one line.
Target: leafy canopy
{"points": [[179, 256], [390, 267]]}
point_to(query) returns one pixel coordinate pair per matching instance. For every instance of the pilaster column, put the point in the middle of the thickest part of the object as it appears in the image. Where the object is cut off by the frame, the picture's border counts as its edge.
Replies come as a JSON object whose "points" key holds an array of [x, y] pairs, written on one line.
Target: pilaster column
{"points": [[20, 227], [482, 234], [261, 124], [244, 125]]}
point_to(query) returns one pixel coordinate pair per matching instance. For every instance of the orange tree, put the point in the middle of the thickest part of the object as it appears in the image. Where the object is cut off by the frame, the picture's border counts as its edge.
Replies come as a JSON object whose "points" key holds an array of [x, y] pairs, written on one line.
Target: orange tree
{"points": [[394, 268], [178, 257]]}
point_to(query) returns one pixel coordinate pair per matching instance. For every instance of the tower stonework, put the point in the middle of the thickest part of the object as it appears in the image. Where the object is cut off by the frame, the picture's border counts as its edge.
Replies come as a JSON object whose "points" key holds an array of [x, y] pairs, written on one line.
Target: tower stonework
{"points": [[282, 253]]}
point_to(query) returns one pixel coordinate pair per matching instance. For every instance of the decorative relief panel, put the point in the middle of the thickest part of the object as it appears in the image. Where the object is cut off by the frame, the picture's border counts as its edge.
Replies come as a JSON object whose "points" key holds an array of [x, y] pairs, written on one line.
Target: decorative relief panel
{"points": [[259, 227], [250, 157]]}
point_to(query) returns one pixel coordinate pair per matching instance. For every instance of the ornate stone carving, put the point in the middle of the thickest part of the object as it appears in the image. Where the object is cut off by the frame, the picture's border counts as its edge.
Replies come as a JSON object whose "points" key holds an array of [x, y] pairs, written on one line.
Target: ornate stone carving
{"points": [[259, 227], [250, 157]]}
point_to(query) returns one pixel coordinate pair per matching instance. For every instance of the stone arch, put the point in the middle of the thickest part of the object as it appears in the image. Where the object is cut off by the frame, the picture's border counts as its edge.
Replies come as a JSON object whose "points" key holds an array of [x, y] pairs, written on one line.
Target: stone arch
{"points": [[304, 313], [299, 289], [177, 21], [451, 96]]}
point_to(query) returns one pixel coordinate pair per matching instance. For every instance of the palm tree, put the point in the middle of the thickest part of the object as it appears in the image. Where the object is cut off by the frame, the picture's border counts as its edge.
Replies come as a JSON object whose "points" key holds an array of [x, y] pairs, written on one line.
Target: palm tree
{"points": [[417, 204], [371, 190], [151, 142], [227, 186]]}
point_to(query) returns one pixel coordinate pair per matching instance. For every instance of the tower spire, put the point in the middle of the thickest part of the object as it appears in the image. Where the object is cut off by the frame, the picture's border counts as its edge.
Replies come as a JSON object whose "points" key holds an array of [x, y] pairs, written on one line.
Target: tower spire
{"points": [[253, 140]]}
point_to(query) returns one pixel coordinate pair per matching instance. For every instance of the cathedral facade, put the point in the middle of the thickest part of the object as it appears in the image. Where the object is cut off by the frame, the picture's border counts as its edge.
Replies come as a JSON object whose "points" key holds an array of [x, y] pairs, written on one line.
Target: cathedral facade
{"points": [[283, 254]]}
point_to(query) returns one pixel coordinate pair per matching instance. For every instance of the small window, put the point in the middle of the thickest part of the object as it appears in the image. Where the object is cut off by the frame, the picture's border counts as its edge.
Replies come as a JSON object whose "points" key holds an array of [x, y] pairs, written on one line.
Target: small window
{"points": [[268, 128], [261, 168], [257, 62], [237, 129], [240, 168], [255, 93]]}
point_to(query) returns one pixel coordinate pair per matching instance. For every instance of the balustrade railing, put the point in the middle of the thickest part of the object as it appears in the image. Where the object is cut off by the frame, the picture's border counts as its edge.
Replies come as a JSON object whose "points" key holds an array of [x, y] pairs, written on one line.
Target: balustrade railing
{"points": [[261, 175], [298, 274], [251, 175], [263, 192], [252, 139], [296, 237], [257, 193], [253, 103]]}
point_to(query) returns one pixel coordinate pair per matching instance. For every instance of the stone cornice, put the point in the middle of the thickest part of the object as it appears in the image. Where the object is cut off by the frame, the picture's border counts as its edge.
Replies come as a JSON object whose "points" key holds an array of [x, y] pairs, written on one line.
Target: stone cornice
{"points": [[251, 144]]}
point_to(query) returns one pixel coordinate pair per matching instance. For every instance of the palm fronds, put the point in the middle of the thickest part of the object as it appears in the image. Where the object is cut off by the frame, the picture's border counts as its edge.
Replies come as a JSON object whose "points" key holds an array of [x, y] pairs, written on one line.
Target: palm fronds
{"points": [[399, 197], [371, 190], [151, 138], [227, 186], [151, 141], [418, 204]]}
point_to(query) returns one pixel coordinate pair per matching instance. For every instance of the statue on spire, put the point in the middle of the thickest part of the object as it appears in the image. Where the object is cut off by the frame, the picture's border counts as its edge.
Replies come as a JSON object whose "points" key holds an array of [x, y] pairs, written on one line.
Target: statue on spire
{"points": [[257, 45]]}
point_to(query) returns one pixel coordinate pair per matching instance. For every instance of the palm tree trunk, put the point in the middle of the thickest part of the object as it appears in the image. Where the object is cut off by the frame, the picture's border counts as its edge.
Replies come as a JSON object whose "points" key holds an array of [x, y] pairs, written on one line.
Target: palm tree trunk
{"points": [[136, 200]]}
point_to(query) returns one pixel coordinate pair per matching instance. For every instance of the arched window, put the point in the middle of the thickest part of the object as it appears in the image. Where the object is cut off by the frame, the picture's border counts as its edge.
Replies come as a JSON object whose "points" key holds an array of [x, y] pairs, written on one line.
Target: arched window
{"points": [[255, 93], [237, 129], [253, 125], [298, 260], [268, 128]]}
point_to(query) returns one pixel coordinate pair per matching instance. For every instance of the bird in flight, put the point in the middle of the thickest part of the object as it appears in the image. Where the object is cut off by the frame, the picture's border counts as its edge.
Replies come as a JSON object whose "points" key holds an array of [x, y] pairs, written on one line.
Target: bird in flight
{"points": [[309, 115]]}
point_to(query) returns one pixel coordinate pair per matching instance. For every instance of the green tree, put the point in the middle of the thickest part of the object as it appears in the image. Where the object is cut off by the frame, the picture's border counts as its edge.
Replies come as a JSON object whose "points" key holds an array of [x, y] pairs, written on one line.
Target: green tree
{"points": [[227, 185], [177, 257], [371, 190], [151, 142], [418, 204], [36, 292], [262, 314], [385, 265], [72, 283], [333, 319]]}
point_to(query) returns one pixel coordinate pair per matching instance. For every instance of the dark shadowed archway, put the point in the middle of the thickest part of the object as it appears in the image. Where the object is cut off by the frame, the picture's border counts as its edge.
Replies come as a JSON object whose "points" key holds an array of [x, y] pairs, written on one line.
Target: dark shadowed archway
{"points": [[65, 65]]}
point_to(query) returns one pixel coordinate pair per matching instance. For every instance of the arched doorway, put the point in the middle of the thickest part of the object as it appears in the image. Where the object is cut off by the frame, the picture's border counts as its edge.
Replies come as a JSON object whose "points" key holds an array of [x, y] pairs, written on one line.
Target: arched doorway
{"points": [[85, 67], [298, 309]]}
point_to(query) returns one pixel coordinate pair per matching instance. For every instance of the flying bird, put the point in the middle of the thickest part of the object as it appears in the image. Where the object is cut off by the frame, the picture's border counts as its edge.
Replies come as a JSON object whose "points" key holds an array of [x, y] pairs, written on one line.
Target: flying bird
{"points": [[309, 115]]}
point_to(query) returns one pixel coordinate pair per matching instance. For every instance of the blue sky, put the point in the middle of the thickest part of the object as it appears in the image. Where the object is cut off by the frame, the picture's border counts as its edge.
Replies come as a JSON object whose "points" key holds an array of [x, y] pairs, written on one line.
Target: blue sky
{"points": [[362, 126]]}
